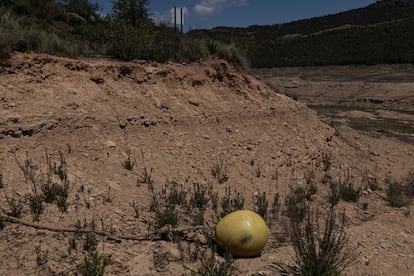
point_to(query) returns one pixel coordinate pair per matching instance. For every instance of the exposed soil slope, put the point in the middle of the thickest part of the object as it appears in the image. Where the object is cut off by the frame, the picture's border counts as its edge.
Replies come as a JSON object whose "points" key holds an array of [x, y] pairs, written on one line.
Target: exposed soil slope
{"points": [[181, 121]]}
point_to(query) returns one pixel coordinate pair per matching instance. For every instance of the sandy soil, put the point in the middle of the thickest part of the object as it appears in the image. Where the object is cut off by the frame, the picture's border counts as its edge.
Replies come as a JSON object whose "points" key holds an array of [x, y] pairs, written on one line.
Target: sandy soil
{"points": [[180, 121]]}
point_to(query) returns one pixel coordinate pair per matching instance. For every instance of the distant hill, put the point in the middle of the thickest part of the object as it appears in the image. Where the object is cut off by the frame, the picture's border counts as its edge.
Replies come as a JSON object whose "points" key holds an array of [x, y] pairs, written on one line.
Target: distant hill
{"points": [[379, 33]]}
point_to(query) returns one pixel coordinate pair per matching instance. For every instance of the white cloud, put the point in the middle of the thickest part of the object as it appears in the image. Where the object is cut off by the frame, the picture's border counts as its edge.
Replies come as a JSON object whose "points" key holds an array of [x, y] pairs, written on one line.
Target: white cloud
{"points": [[210, 7]]}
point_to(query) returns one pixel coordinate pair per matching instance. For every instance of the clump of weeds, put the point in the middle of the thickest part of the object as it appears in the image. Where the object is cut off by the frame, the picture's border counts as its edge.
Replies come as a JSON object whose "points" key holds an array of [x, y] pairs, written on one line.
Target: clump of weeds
{"points": [[129, 162], [219, 171]]}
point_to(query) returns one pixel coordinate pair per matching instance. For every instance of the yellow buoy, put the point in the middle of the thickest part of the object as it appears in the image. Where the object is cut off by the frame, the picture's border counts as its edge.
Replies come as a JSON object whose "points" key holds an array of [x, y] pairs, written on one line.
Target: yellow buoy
{"points": [[244, 233]]}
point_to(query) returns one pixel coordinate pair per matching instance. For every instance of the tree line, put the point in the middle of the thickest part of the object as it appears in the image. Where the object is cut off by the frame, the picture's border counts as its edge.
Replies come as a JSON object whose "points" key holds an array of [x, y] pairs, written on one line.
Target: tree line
{"points": [[77, 28]]}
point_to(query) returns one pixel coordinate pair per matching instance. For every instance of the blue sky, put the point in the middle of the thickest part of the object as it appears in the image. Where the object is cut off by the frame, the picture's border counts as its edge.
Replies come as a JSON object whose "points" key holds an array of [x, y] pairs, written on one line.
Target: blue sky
{"points": [[207, 14]]}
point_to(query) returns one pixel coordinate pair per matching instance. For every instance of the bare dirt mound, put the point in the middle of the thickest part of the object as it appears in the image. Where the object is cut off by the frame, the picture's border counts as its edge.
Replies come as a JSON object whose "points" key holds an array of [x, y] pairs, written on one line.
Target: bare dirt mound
{"points": [[183, 126]]}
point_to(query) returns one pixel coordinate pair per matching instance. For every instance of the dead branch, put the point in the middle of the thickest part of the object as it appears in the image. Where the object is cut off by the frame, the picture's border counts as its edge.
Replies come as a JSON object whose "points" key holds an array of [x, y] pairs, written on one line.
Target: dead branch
{"points": [[165, 233]]}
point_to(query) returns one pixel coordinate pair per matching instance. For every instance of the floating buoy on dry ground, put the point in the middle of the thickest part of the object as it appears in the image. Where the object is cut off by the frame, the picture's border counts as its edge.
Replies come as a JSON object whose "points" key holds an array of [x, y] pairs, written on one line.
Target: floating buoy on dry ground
{"points": [[244, 233]]}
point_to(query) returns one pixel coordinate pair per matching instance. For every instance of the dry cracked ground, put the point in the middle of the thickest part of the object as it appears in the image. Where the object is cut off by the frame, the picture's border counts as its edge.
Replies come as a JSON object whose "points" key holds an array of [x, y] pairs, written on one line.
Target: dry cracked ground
{"points": [[113, 142]]}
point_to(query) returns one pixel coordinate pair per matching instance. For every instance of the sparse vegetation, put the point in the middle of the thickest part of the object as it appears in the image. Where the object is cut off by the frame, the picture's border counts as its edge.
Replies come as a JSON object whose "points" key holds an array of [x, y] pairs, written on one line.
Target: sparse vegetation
{"points": [[261, 204], [310, 183], [177, 194], [129, 162], [296, 205], [146, 177], [90, 242], [317, 252], [326, 178], [372, 184], [41, 256], [230, 204], [211, 266], [214, 197], [334, 194], [348, 192], [343, 189], [199, 197], [219, 171], [94, 264], [167, 216], [326, 160], [15, 207], [54, 187], [36, 206], [258, 171], [136, 209], [275, 205], [396, 194]]}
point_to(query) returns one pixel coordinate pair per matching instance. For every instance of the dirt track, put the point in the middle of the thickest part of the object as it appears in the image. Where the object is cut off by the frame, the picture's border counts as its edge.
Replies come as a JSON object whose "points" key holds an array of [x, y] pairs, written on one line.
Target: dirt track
{"points": [[184, 119]]}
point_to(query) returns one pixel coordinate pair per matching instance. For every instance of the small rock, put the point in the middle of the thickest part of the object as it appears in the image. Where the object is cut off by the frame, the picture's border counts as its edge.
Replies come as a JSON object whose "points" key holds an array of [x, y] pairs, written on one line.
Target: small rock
{"points": [[374, 153], [206, 137], [110, 144], [194, 102], [16, 133], [149, 123], [97, 80], [200, 238]]}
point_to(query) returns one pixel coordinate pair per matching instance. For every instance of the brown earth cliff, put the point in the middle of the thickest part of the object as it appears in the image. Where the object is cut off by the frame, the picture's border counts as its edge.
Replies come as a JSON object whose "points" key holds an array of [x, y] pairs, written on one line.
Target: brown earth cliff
{"points": [[180, 120]]}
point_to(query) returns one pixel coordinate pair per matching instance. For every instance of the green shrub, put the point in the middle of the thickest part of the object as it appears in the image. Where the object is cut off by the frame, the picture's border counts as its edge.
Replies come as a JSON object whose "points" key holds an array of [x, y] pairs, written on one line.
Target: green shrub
{"points": [[219, 171], [129, 42], [146, 178], [41, 256], [210, 266], [199, 197], [15, 207], [90, 243], [168, 216], [396, 196], [372, 184], [326, 160], [128, 163], [409, 185], [94, 265], [334, 195], [192, 49], [275, 204], [230, 204], [348, 192], [228, 52], [319, 252], [6, 46], [295, 203], [261, 204], [177, 194], [36, 206]]}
